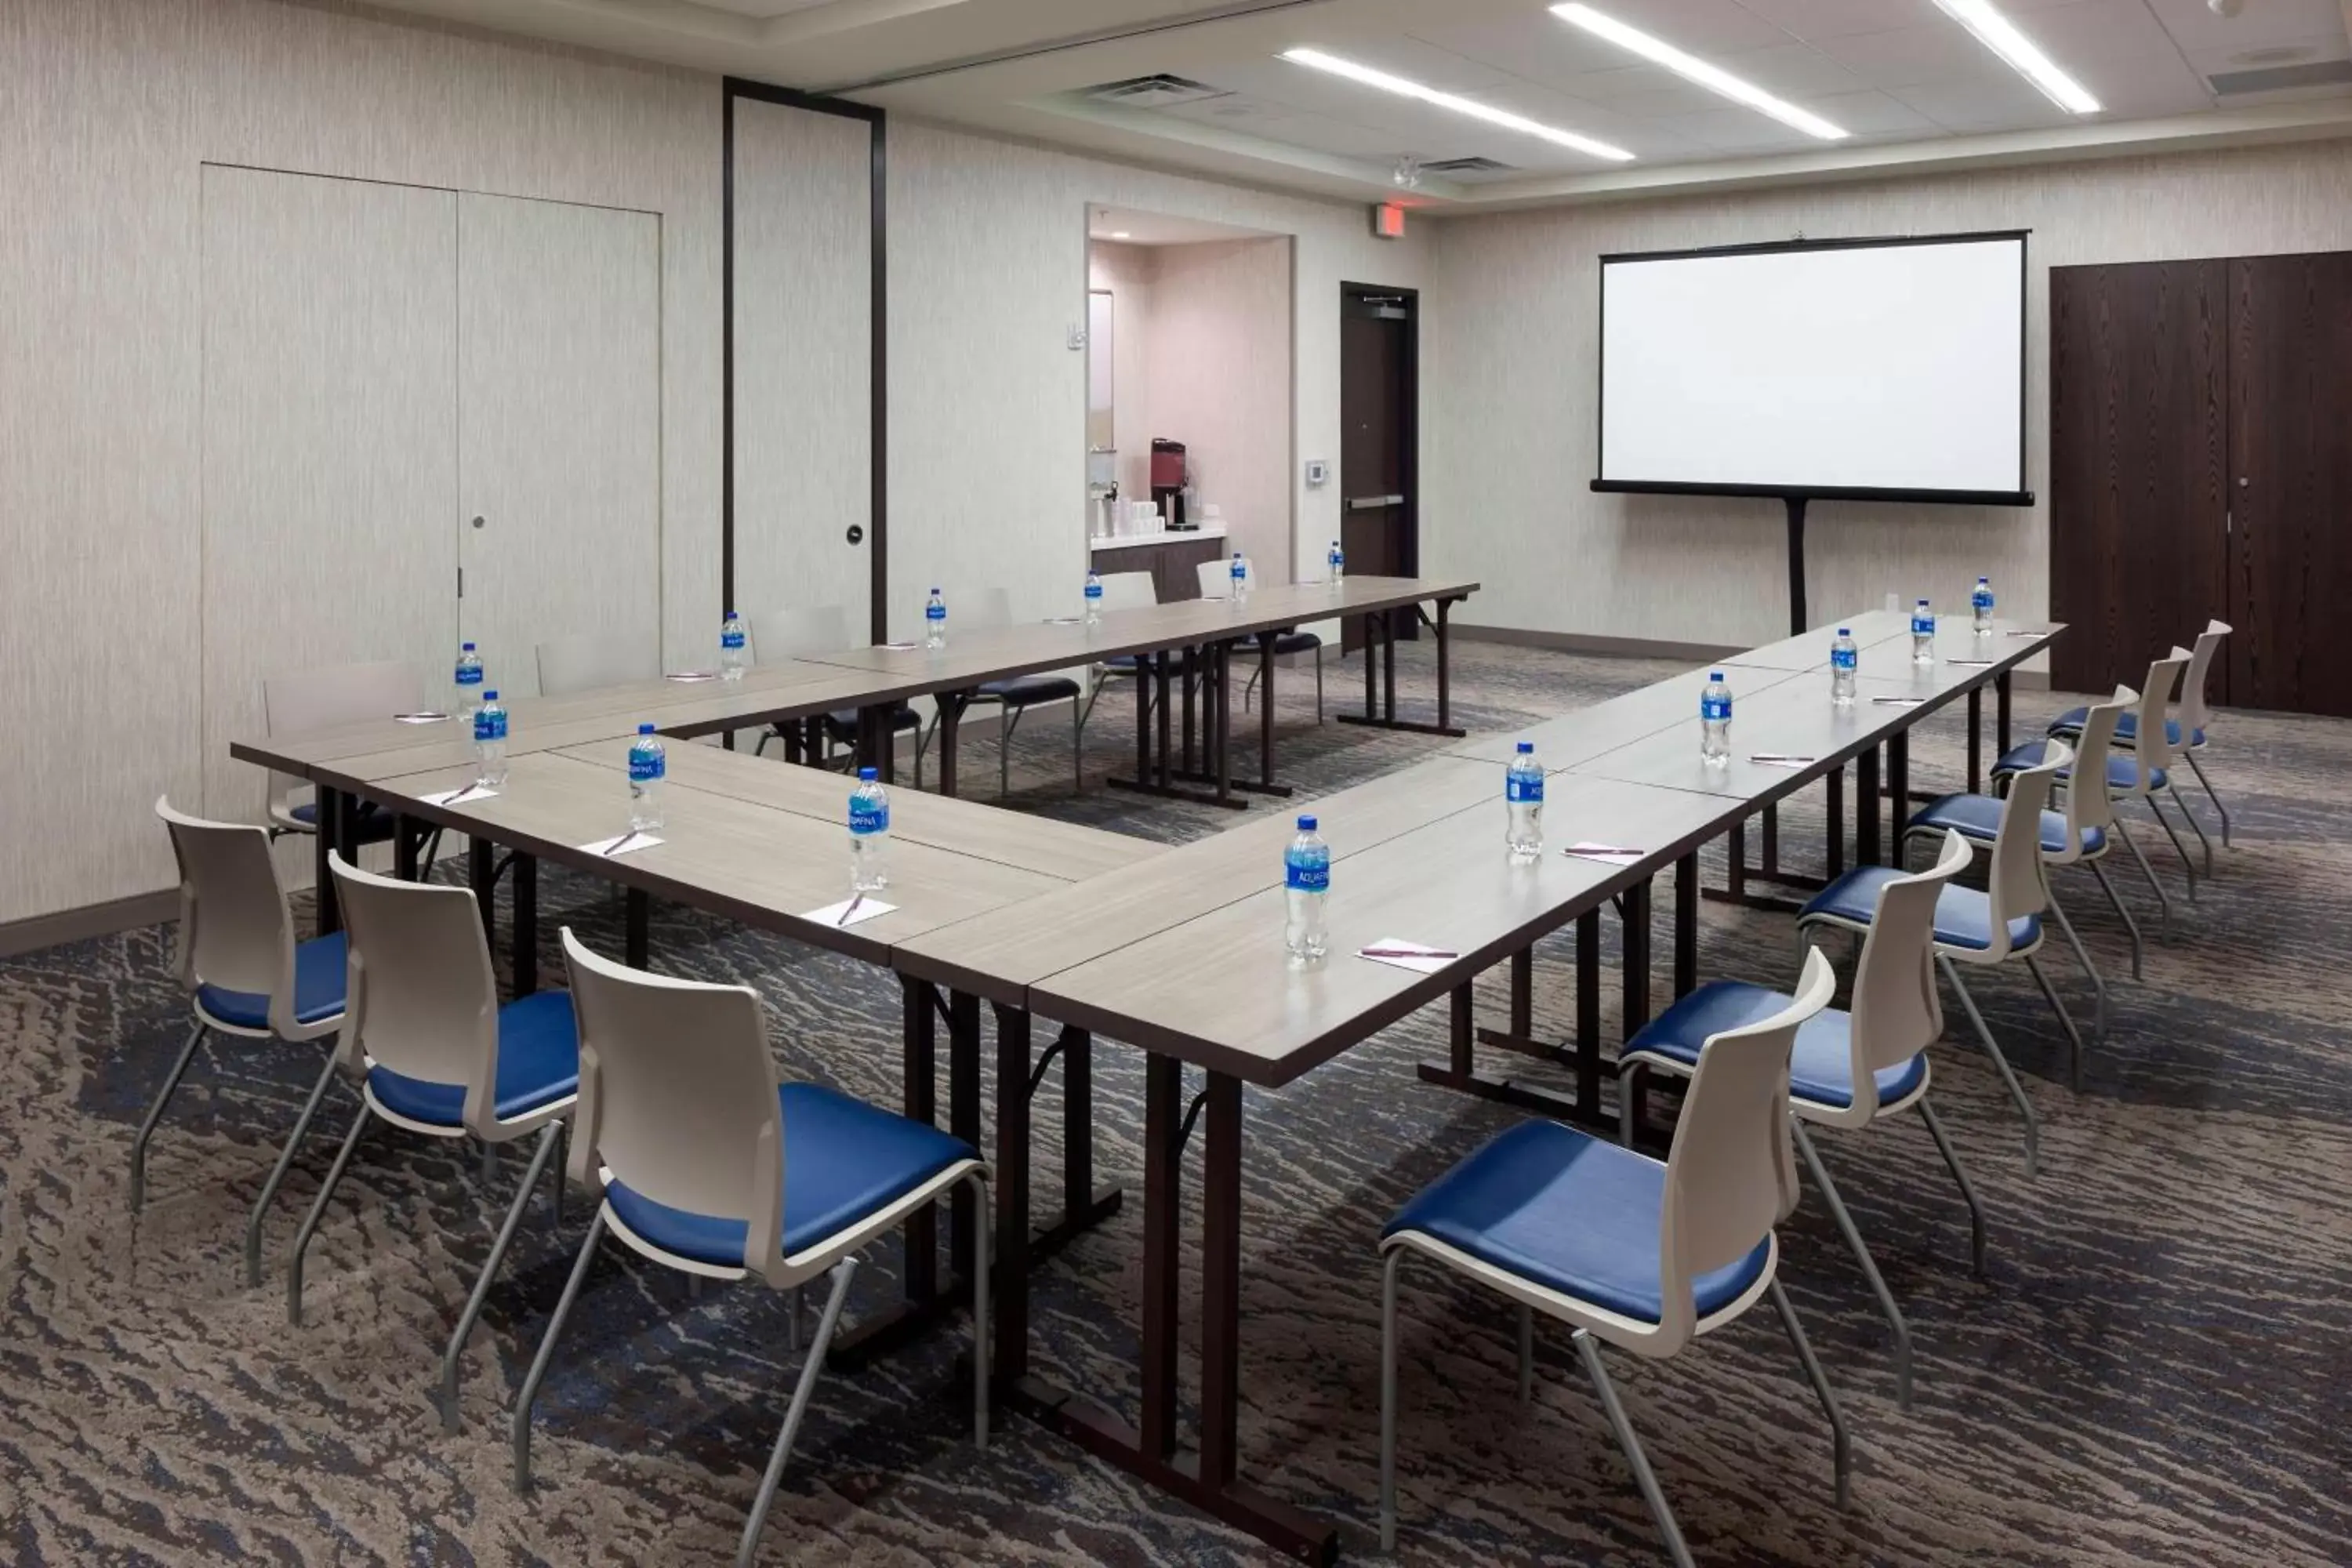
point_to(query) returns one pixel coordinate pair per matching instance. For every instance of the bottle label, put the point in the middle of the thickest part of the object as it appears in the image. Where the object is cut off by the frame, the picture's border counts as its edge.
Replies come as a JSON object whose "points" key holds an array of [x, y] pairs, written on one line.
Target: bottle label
{"points": [[490, 724], [1306, 879], [731, 641], [1714, 709], [469, 675], [869, 817], [1094, 590], [935, 611], [1922, 626], [646, 766], [1526, 791], [1981, 599], [1843, 657]]}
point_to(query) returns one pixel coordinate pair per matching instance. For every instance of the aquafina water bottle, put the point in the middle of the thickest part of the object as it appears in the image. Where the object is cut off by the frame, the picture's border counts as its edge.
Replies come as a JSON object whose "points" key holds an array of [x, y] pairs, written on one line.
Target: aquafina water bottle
{"points": [[648, 764], [1094, 600], [1981, 602], [1845, 660], [1338, 562], [1715, 722], [935, 621], [490, 741], [1240, 573], [869, 834], [1922, 634], [1306, 884], [1523, 792], [469, 681], [734, 647]]}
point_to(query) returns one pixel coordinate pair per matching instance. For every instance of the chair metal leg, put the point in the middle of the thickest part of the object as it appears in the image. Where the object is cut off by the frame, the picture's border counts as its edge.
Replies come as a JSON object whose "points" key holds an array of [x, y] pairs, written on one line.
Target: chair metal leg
{"points": [[2203, 843], [1078, 751], [2130, 924], [318, 1212], [1590, 1349], [155, 1114], [809, 1367], [1968, 1189], [1992, 1049], [2188, 867], [1319, 699], [1527, 1353], [555, 1170], [2098, 984], [2058, 1006], [2197, 768], [277, 1172], [1629, 1089], [473, 1311], [983, 1251], [530, 1394], [1388, 1398], [1004, 750], [1862, 1255], [2163, 903], [1820, 1387]]}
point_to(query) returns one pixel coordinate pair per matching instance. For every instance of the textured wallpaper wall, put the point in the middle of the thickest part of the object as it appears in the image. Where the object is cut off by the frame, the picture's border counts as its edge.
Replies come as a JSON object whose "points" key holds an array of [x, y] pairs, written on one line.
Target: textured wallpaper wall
{"points": [[1508, 388]]}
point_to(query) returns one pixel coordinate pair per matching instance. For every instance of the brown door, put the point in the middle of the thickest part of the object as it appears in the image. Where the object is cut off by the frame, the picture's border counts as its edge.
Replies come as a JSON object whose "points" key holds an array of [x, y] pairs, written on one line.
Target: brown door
{"points": [[2139, 454], [2291, 485], [1379, 404]]}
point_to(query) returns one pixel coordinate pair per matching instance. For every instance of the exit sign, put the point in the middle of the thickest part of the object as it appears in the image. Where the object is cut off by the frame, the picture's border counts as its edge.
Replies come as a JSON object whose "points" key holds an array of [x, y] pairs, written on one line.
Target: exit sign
{"points": [[1388, 220]]}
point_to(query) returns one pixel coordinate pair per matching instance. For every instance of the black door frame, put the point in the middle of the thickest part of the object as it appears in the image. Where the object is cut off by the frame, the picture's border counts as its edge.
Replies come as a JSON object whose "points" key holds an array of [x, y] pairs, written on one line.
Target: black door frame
{"points": [[1353, 296], [877, 527]]}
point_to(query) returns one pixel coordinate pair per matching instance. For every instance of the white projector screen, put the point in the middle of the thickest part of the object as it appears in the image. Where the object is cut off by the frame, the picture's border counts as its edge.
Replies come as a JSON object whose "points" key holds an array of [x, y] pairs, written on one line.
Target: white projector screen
{"points": [[1892, 368]]}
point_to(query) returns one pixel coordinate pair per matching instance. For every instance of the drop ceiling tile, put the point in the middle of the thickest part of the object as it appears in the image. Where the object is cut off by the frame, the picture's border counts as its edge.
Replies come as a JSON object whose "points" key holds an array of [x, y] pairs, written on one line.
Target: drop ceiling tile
{"points": [[2005, 101], [1790, 70], [1402, 54], [1701, 26], [1731, 129], [2262, 23], [2098, 30], [1538, 46], [1814, 20], [2288, 51], [1648, 92], [2143, 90], [1871, 114], [1909, 57]]}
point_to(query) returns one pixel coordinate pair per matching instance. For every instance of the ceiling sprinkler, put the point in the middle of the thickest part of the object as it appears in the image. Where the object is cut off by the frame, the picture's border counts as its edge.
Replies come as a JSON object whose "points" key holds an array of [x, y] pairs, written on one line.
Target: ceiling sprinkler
{"points": [[1407, 176]]}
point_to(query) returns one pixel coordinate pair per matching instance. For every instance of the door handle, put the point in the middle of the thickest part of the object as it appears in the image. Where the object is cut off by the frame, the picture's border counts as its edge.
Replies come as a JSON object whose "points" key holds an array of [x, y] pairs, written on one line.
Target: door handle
{"points": [[1370, 503]]}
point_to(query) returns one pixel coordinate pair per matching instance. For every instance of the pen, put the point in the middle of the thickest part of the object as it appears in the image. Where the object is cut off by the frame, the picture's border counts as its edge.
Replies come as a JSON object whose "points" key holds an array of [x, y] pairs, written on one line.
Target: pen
{"points": [[856, 900], [619, 844]]}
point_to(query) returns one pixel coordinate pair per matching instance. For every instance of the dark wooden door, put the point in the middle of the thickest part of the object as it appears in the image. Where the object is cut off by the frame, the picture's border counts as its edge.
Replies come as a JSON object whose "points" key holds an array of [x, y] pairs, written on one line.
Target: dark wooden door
{"points": [[1379, 400], [2139, 450], [2291, 485]]}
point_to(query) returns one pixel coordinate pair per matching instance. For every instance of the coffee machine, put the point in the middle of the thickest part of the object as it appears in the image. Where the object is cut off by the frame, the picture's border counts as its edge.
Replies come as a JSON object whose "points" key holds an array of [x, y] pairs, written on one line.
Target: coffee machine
{"points": [[1168, 480]]}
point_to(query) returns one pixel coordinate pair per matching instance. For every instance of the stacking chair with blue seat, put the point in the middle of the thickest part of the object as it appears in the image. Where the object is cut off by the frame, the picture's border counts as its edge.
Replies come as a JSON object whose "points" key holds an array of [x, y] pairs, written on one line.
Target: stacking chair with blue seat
{"points": [[2139, 774], [1983, 928], [1014, 697], [246, 976], [1217, 583], [320, 700], [706, 1164], [2185, 734], [780, 634], [1846, 1069], [2075, 835], [1647, 1256], [433, 1052], [1122, 591]]}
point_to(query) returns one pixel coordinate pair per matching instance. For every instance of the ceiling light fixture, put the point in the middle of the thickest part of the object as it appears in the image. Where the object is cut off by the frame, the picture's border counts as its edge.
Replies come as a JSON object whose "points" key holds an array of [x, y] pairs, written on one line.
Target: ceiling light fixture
{"points": [[1368, 77], [1118, 233], [1999, 35], [1715, 79]]}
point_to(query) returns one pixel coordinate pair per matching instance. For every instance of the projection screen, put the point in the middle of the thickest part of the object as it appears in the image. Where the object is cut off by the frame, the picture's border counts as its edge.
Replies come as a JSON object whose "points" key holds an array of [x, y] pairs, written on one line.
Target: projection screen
{"points": [[1889, 369]]}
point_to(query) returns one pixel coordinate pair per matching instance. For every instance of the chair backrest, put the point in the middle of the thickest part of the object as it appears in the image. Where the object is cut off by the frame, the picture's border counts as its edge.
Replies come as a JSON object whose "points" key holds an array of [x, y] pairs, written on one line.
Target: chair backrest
{"points": [[780, 635], [1731, 1174], [677, 1096], [2194, 714], [2015, 883], [1898, 1013], [420, 996], [1128, 590], [1216, 577], [2151, 749], [340, 694], [584, 663], [235, 931], [2092, 807], [986, 608]]}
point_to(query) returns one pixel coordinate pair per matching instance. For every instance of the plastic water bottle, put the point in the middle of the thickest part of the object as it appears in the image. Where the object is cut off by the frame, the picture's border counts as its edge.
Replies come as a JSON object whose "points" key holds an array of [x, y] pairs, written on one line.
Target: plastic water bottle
{"points": [[648, 765], [1922, 634], [1845, 658], [1306, 883], [870, 833], [469, 681], [734, 647], [1523, 790], [1981, 603], [935, 621], [1240, 580], [1094, 600], [1338, 562], [1714, 722], [490, 741]]}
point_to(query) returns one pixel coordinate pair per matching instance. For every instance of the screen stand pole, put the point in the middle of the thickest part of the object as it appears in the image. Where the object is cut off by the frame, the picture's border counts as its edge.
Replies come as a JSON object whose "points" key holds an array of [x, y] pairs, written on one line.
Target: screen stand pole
{"points": [[1796, 565]]}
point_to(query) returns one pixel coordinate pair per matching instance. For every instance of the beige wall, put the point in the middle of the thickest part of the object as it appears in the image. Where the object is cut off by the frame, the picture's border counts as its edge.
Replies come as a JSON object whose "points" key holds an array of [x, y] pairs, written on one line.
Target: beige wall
{"points": [[1508, 392]]}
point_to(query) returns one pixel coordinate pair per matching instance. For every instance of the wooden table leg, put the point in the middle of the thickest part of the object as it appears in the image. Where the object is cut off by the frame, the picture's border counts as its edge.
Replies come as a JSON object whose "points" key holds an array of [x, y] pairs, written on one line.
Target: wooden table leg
{"points": [[1444, 687], [1221, 1283], [1163, 1219], [1266, 710], [1221, 666], [1388, 667]]}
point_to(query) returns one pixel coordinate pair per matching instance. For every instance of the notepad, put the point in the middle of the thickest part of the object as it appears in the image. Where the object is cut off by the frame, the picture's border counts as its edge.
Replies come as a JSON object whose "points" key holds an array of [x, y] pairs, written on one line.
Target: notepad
{"points": [[689, 676], [1898, 701], [1607, 854], [867, 908], [621, 843], [464, 795], [1774, 759], [420, 717], [899, 647], [1418, 956], [1970, 663]]}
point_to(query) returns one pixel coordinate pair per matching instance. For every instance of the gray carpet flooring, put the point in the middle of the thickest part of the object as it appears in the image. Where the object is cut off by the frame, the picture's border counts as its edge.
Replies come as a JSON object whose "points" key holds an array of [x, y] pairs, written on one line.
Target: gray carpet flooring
{"points": [[2155, 1368]]}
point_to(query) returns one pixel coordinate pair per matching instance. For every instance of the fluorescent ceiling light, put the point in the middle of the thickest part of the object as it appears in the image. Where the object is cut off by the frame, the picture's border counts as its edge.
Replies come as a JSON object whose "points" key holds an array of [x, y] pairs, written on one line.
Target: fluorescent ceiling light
{"points": [[1368, 77], [1712, 77], [1999, 35]]}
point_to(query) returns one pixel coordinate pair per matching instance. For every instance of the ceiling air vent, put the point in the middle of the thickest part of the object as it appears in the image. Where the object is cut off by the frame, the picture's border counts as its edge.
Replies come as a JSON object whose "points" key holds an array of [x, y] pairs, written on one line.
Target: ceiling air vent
{"points": [[2278, 78], [1159, 91], [1468, 166]]}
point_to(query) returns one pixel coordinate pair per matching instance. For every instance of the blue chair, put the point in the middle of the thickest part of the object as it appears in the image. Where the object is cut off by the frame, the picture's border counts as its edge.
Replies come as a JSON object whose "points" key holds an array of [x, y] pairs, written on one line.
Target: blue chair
{"points": [[2140, 774], [246, 977], [1846, 1069], [322, 699], [705, 1164], [1647, 1256], [1986, 928], [433, 1052], [2184, 735], [993, 607]]}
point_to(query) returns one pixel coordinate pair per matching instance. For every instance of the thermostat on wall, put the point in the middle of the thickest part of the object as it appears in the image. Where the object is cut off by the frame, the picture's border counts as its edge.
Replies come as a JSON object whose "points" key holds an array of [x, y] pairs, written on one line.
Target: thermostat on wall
{"points": [[1318, 470]]}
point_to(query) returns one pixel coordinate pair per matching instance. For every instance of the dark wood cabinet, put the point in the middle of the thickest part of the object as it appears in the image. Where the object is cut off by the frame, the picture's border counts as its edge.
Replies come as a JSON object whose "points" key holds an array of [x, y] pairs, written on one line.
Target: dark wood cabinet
{"points": [[1174, 564]]}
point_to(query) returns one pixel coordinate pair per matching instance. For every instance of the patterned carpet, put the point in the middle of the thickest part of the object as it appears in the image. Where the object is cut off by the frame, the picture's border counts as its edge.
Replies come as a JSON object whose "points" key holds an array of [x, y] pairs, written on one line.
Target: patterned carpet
{"points": [[2156, 1368]]}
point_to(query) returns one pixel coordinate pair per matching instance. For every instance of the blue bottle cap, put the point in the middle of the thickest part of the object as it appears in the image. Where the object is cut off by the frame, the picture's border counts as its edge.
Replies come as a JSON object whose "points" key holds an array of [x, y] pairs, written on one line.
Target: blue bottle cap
{"points": [[464, 647], [1845, 631], [644, 729], [1527, 748], [868, 775], [1922, 601], [1715, 675], [1305, 825], [935, 587], [489, 697]]}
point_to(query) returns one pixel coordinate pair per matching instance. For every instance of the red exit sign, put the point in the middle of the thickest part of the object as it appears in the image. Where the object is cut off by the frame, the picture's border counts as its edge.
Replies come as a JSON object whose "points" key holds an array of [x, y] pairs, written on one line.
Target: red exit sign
{"points": [[1388, 220]]}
